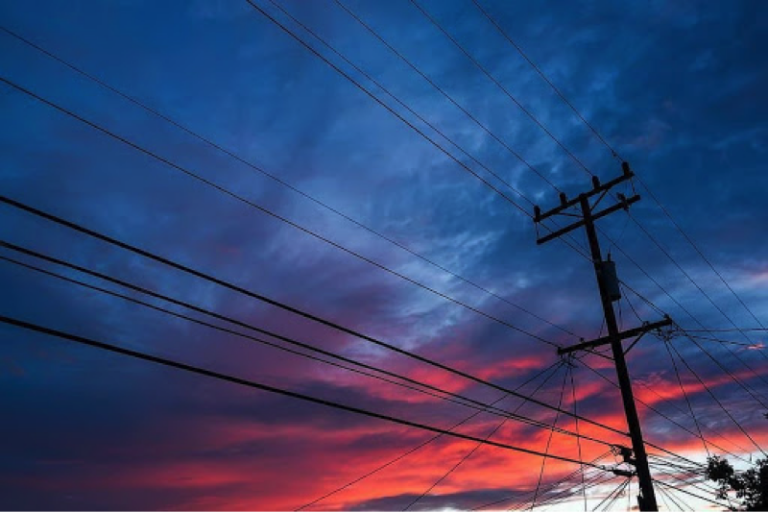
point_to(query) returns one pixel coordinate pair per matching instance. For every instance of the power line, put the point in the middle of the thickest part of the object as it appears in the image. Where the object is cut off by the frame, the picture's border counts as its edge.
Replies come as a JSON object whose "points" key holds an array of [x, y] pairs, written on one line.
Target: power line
{"points": [[687, 400], [503, 89], [680, 489], [256, 385], [447, 96], [549, 440], [413, 384], [284, 183], [281, 305], [553, 367], [578, 441], [719, 403], [273, 214], [569, 241], [550, 486], [387, 107], [478, 445], [615, 154], [546, 79], [663, 415]]}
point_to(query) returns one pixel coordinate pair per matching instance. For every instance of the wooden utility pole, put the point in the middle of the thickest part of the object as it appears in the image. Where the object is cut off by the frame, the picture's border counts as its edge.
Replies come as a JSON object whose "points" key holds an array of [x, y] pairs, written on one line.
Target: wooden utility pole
{"points": [[607, 282]]}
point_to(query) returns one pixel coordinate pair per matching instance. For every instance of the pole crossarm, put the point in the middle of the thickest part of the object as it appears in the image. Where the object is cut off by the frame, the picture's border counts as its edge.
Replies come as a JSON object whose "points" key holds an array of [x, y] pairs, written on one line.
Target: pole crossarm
{"points": [[605, 340], [565, 203], [623, 205]]}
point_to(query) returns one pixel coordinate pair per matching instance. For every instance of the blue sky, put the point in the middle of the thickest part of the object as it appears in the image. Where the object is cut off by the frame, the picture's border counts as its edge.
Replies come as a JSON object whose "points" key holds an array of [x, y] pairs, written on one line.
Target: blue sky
{"points": [[677, 88]]}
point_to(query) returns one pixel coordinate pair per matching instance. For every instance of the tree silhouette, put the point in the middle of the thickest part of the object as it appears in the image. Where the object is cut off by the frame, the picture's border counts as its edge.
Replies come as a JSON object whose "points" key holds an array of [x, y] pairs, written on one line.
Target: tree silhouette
{"points": [[750, 486]]}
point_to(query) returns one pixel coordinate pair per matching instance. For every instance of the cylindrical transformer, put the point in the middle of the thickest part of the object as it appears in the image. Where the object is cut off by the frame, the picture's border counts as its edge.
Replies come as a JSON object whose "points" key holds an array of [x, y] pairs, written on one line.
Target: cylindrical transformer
{"points": [[610, 280]]}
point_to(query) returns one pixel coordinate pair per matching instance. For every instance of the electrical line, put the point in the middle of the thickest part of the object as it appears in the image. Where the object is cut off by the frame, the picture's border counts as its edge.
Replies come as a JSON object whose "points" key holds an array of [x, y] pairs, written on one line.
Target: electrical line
{"points": [[282, 182], [430, 390], [554, 484], [683, 271], [503, 89], [387, 107], [616, 155], [578, 441], [665, 416], [447, 96], [408, 123], [549, 441], [687, 400], [553, 367], [273, 214], [256, 385], [696, 248], [285, 307], [738, 425], [478, 445], [680, 489]]}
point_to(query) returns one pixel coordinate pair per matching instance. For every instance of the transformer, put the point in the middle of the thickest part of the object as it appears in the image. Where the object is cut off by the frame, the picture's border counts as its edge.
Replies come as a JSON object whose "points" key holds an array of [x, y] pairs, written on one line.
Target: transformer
{"points": [[610, 280]]}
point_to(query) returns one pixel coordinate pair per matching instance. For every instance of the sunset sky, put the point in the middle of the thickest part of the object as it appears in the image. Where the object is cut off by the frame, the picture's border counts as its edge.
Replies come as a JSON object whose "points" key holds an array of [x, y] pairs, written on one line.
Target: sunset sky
{"points": [[387, 235]]}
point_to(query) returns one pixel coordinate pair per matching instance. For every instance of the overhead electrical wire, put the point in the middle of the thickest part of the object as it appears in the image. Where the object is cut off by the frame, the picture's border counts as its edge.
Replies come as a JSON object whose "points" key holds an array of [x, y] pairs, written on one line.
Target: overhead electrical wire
{"points": [[501, 87], [477, 446], [407, 382], [549, 439], [196, 273], [552, 368], [447, 96], [616, 155], [578, 441], [284, 183], [663, 415], [550, 486], [702, 256], [717, 400], [263, 387], [269, 212], [687, 399]]}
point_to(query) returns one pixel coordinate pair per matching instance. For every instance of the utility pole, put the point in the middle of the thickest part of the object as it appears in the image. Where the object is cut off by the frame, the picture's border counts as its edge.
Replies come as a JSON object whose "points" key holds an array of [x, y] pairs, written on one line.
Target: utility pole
{"points": [[607, 282]]}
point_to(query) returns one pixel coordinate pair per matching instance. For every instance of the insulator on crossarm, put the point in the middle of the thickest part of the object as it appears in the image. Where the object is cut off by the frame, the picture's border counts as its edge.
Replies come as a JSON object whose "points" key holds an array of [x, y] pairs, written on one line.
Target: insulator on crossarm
{"points": [[595, 182], [625, 168], [563, 198]]}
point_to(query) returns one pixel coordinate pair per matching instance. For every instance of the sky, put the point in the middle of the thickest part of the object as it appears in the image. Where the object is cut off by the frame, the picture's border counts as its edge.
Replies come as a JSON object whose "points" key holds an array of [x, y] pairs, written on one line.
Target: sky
{"points": [[398, 208]]}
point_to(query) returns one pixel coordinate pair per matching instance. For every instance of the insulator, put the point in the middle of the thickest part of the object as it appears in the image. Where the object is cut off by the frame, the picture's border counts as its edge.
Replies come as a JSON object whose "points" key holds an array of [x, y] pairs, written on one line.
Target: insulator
{"points": [[563, 198], [625, 168], [595, 182]]}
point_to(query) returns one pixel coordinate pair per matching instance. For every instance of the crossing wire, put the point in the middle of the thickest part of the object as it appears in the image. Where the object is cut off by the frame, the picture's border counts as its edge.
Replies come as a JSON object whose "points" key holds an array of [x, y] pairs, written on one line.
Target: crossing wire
{"points": [[578, 441], [553, 367], [687, 312], [262, 209], [502, 88], [549, 440], [546, 79], [663, 415], [719, 403], [550, 486], [263, 298], [284, 183], [257, 385], [616, 155], [407, 383], [687, 400], [447, 96], [478, 445]]}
